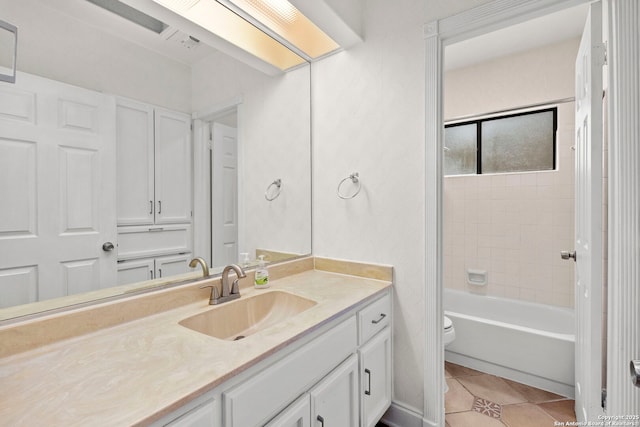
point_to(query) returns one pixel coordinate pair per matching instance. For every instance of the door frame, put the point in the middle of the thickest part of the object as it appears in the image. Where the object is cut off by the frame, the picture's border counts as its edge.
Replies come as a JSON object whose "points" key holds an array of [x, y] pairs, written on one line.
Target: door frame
{"points": [[624, 45], [201, 174]]}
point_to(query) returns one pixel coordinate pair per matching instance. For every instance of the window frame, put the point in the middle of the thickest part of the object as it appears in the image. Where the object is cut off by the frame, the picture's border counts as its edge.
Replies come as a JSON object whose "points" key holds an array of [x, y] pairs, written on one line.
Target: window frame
{"points": [[478, 122]]}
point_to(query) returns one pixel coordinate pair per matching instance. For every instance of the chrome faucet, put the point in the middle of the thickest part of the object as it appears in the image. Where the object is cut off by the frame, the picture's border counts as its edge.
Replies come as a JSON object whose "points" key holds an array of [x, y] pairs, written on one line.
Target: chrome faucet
{"points": [[203, 264], [226, 293]]}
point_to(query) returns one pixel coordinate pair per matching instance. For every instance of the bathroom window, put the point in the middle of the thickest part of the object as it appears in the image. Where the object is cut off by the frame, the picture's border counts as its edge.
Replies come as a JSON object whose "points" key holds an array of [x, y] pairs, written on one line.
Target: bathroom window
{"points": [[519, 142]]}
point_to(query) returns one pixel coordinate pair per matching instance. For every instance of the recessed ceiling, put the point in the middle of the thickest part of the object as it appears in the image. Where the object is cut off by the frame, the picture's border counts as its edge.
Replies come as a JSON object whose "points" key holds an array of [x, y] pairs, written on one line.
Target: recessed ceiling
{"points": [[538, 32]]}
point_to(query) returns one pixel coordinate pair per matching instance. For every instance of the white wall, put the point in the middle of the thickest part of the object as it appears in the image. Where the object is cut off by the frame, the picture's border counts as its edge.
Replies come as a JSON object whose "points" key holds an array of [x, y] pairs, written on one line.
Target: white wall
{"points": [[274, 138], [54, 45], [368, 117], [514, 225]]}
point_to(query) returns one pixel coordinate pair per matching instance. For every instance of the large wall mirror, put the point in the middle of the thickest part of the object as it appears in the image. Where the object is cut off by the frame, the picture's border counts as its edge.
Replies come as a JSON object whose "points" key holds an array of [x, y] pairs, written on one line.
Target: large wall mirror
{"points": [[91, 85], [8, 45]]}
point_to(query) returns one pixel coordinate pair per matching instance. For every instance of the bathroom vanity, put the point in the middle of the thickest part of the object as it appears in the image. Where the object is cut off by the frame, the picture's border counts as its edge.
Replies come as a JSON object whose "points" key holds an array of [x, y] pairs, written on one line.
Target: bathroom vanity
{"points": [[324, 360]]}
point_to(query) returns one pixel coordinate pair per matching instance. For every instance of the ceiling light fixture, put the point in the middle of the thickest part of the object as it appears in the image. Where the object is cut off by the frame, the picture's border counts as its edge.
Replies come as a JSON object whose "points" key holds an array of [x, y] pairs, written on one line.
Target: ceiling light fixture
{"points": [[272, 30], [289, 24]]}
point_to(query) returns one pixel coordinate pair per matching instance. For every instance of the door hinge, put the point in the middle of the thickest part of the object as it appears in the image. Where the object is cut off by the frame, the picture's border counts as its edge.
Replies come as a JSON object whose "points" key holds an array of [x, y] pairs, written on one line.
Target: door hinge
{"points": [[603, 399], [602, 53]]}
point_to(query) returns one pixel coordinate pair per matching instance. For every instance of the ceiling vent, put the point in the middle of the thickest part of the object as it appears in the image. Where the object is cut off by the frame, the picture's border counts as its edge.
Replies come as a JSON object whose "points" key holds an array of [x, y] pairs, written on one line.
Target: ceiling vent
{"points": [[175, 36]]}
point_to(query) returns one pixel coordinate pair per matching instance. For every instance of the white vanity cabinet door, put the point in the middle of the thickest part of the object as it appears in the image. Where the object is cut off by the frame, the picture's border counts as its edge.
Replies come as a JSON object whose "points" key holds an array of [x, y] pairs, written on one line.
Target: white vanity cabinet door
{"points": [[136, 270], [334, 400], [135, 163], [298, 414], [172, 265], [375, 377], [202, 416], [172, 167]]}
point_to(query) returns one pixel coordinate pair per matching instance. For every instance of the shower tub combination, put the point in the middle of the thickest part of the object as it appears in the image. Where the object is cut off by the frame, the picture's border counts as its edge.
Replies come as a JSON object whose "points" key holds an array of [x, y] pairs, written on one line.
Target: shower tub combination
{"points": [[526, 342]]}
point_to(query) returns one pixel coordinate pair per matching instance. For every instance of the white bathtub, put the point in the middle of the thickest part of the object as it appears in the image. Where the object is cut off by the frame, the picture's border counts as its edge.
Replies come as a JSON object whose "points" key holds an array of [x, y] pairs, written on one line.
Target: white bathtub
{"points": [[526, 342]]}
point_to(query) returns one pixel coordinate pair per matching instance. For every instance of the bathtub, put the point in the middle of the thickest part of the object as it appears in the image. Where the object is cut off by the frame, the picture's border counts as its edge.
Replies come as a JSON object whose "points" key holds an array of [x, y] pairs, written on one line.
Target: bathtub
{"points": [[526, 342]]}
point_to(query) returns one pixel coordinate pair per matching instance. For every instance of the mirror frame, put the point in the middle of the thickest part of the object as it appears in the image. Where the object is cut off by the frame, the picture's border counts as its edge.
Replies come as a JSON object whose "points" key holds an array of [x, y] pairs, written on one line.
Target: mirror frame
{"points": [[10, 78]]}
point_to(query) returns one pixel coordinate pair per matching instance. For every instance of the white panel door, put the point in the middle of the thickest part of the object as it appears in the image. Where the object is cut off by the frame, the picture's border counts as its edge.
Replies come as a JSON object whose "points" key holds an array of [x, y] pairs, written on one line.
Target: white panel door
{"points": [[172, 167], [57, 159], [224, 195], [334, 400], [588, 235], [135, 163]]}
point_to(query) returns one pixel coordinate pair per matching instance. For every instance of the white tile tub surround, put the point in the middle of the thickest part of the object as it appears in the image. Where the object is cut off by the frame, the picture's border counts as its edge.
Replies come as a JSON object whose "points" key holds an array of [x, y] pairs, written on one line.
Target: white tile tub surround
{"points": [[514, 225]]}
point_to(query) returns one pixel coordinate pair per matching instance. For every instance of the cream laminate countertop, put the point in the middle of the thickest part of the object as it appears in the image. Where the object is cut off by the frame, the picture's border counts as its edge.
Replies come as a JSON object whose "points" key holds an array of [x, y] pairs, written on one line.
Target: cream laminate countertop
{"points": [[139, 371]]}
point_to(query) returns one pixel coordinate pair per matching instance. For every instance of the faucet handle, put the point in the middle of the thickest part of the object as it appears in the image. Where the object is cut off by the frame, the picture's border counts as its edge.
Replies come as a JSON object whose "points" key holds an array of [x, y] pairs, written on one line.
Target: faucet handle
{"points": [[234, 287], [214, 291]]}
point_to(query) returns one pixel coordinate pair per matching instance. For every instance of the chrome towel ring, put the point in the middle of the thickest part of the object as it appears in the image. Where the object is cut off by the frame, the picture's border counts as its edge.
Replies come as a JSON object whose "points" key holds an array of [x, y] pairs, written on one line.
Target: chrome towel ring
{"points": [[355, 178], [278, 188]]}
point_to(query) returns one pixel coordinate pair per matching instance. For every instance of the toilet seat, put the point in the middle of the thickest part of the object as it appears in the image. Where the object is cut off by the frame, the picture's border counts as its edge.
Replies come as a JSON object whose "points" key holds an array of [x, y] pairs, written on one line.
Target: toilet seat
{"points": [[448, 324]]}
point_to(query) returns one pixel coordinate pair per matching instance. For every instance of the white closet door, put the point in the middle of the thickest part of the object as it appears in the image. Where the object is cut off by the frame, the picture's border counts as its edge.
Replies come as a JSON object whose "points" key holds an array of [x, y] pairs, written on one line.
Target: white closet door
{"points": [[224, 194], [134, 122], [57, 190], [173, 167]]}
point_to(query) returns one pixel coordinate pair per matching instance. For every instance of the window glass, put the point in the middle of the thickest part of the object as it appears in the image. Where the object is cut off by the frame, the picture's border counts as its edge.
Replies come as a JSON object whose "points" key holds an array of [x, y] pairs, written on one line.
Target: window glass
{"points": [[518, 143], [461, 149]]}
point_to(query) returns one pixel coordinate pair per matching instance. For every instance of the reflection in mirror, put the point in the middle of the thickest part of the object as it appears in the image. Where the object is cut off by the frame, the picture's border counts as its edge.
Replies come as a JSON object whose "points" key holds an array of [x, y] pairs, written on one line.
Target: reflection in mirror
{"points": [[157, 150], [8, 45]]}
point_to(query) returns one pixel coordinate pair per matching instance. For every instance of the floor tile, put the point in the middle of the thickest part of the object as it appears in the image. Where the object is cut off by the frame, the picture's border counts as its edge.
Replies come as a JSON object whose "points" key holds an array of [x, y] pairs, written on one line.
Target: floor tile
{"points": [[561, 410], [457, 399], [471, 418], [487, 407], [459, 371], [526, 415], [492, 388], [532, 394]]}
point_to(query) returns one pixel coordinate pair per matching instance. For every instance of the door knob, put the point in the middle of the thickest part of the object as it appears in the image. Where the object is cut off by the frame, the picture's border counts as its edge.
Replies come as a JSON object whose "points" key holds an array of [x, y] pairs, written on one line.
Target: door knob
{"points": [[634, 367], [107, 246], [567, 255]]}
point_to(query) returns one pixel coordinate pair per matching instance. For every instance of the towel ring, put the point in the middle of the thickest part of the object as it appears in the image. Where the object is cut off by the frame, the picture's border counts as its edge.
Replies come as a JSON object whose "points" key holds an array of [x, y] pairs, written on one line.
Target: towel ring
{"points": [[278, 184], [354, 177]]}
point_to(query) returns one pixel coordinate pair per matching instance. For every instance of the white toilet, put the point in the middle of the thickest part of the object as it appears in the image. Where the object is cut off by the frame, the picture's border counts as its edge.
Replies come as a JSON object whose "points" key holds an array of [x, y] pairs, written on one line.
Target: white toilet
{"points": [[449, 331], [448, 336]]}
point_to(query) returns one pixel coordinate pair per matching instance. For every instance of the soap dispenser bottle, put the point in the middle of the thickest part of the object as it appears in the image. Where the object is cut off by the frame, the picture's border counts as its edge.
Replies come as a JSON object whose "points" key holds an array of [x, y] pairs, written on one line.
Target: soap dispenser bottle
{"points": [[262, 274]]}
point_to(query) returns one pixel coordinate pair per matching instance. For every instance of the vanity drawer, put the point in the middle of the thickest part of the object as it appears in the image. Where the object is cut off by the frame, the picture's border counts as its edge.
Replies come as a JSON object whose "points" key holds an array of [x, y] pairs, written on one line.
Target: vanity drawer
{"points": [[374, 318], [148, 241], [258, 399]]}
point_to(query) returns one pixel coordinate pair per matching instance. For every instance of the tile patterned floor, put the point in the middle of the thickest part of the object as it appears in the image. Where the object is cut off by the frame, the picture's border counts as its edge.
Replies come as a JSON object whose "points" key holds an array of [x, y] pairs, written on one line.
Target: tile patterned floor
{"points": [[476, 399]]}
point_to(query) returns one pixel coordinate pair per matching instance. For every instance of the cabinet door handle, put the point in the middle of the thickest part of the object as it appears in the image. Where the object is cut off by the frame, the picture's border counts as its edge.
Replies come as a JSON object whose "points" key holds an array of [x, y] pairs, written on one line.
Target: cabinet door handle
{"points": [[368, 392], [150, 207], [151, 273], [321, 420], [382, 316], [159, 207], [160, 272]]}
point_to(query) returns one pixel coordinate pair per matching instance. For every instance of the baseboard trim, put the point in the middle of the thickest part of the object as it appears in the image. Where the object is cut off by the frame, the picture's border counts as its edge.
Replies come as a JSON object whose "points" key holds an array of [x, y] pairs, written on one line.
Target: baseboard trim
{"points": [[399, 415]]}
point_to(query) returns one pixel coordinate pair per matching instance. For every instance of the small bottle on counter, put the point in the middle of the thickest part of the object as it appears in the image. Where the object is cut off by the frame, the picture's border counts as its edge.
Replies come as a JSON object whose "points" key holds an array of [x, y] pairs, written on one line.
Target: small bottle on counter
{"points": [[262, 274]]}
